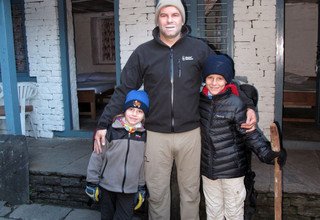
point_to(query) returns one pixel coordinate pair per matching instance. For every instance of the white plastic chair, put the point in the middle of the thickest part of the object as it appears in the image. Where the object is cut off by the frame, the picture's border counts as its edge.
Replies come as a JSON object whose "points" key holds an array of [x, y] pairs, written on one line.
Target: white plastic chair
{"points": [[26, 91]]}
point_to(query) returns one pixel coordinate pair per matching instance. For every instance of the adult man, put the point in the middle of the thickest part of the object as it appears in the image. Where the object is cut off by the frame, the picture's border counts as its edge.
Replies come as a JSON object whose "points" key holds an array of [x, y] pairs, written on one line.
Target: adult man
{"points": [[170, 68]]}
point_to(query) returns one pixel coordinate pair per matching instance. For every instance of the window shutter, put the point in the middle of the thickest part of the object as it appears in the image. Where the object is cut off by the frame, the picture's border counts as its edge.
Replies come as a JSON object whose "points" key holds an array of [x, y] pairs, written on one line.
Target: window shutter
{"points": [[212, 20]]}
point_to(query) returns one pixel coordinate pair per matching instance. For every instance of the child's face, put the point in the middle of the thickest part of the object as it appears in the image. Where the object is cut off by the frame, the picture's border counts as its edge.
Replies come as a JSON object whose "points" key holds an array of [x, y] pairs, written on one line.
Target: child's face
{"points": [[133, 116], [215, 83]]}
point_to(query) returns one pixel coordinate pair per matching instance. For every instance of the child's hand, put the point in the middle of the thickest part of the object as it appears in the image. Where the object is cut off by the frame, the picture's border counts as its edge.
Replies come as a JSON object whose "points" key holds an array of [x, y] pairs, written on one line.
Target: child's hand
{"points": [[282, 158], [140, 196], [92, 190]]}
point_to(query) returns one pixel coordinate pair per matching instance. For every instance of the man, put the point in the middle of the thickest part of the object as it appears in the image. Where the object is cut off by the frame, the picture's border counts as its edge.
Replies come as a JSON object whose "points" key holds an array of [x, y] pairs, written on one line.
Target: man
{"points": [[170, 68]]}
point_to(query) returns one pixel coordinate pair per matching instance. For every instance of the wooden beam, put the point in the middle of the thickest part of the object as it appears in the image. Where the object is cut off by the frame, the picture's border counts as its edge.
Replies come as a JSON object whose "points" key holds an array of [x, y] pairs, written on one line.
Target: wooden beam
{"points": [[8, 70]]}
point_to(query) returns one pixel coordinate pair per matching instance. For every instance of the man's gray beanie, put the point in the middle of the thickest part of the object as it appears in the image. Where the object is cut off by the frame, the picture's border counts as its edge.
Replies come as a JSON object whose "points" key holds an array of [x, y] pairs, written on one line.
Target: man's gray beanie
{"points": [[175, 3]]}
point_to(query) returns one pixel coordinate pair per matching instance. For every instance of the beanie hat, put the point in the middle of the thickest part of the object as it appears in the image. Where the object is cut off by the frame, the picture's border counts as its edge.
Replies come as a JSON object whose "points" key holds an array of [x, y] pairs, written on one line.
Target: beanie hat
{"points": [[176, 3], [218, 64], [137, 99]]}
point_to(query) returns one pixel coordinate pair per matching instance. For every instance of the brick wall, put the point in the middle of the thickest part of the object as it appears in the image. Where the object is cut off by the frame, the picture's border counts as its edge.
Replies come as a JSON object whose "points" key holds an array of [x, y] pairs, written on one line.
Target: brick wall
{"points": [[255, 52], [254, 44], [136, 25], [44, 63]]}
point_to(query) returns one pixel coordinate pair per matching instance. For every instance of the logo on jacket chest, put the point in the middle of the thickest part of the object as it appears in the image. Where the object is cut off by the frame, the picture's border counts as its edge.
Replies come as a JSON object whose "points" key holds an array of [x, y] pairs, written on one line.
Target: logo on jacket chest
{"points": [[186, 58]]}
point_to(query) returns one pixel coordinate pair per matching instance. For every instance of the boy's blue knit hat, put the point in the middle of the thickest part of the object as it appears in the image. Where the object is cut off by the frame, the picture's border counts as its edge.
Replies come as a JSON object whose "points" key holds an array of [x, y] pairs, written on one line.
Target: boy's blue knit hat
{"points": [[218, 64], [137, 99]]}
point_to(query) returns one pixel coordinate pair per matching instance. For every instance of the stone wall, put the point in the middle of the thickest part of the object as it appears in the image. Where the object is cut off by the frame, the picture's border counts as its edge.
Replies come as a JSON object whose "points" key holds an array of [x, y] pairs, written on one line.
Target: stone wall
{"points": [[64, 190], [295, 206], [58, 189]]}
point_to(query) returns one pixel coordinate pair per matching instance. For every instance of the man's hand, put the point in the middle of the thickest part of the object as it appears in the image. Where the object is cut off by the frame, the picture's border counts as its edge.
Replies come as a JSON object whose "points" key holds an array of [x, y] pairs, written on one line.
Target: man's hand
{"points": [[99, 140], [251, 121]]}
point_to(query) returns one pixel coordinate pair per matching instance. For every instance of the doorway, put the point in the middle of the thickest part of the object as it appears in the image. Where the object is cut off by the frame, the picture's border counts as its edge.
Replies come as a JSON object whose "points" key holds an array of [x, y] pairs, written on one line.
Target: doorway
{"points": [[300, 93], [94, 43]]}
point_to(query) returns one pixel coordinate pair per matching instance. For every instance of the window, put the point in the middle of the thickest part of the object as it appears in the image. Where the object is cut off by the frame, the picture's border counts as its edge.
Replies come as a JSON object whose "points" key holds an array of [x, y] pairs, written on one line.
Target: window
{"points": [[212, 20], [19, 40], [19, 35], [103, 39]]}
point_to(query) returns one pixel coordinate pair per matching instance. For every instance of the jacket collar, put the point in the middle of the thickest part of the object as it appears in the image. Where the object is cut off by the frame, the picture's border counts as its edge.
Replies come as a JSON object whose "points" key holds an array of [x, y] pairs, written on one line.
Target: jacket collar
{"points": [[217, 97], [119, 122]]}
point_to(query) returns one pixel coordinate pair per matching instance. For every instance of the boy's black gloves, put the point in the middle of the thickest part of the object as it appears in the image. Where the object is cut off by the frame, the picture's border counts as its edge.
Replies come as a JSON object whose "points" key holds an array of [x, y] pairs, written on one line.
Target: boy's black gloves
{"points": [[92, 190], [140, 196], [282, 157]]}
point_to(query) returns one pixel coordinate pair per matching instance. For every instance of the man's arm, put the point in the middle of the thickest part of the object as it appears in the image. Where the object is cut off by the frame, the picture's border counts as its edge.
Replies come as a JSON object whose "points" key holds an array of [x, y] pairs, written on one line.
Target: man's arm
{"points": [[131, 78], [249, 95]]}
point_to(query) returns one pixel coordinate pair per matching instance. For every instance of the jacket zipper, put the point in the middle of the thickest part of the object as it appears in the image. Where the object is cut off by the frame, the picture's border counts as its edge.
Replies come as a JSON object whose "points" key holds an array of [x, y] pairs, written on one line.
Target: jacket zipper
{"points": [[213, 108], [172, 88], [125, 164]]}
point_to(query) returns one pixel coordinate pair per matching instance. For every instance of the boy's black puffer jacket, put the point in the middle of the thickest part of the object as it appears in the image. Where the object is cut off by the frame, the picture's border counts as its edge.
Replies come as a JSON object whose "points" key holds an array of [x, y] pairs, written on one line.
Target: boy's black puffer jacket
{"points": [[223, 141]]}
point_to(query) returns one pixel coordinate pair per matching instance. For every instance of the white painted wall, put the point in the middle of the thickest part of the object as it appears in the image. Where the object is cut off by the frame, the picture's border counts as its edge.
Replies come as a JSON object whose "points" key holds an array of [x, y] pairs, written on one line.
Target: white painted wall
{"points": [[255, 52], [254, 46], [301, 32], [44, 63], [136, 25]]}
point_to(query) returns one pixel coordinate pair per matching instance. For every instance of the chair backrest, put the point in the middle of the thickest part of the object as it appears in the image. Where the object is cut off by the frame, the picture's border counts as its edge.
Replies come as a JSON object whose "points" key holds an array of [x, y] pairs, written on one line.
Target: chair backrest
{"points": [[26, 91]]}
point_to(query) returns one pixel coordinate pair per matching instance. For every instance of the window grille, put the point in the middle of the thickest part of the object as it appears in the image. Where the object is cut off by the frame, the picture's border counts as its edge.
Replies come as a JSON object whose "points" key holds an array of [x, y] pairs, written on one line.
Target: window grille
{"points": [[19, 35], [212, 20]]}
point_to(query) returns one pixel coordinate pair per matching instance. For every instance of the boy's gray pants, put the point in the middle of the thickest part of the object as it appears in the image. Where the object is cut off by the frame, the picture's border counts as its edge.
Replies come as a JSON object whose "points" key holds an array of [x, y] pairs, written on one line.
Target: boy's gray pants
{"points": [[162, 150]]}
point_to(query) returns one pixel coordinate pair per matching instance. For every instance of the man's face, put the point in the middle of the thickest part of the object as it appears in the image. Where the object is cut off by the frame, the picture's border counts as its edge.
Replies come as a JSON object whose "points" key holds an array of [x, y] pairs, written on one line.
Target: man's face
{"points": [[170, 23]]}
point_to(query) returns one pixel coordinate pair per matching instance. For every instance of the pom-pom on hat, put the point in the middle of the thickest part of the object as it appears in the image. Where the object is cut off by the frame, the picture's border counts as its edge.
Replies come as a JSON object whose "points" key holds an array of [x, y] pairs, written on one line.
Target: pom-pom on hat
{"points": [[137, 99], [176, 3], [218, 64]]}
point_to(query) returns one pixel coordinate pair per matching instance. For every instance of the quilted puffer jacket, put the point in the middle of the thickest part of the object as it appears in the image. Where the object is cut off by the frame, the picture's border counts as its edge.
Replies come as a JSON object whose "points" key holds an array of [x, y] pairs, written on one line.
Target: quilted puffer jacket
{"points": [[223, 140]]}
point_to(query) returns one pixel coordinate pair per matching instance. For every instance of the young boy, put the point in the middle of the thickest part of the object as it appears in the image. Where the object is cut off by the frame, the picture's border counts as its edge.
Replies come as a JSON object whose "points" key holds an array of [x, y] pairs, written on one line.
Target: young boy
{"points": [[223, 159], [116, 176]]}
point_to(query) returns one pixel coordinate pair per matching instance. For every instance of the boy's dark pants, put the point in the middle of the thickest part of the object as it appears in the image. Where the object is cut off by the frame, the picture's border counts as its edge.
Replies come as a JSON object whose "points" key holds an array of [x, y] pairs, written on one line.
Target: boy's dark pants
{"points": [[116, 205]]}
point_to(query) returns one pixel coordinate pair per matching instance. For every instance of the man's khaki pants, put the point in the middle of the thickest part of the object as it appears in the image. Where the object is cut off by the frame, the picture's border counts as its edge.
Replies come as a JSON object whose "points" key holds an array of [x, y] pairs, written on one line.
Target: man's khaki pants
{"points": [[161, 150], [224, 198]]}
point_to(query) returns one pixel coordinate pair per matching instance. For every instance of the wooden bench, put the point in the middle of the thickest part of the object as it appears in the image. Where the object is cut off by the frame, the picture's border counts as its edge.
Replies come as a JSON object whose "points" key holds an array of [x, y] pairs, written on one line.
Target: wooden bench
{"points": [[299, 99]]}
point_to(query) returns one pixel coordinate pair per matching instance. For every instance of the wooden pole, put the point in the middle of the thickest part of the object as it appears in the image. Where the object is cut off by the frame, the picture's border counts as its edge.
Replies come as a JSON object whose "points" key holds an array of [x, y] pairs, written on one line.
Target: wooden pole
{"points": [[275, 144]]}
